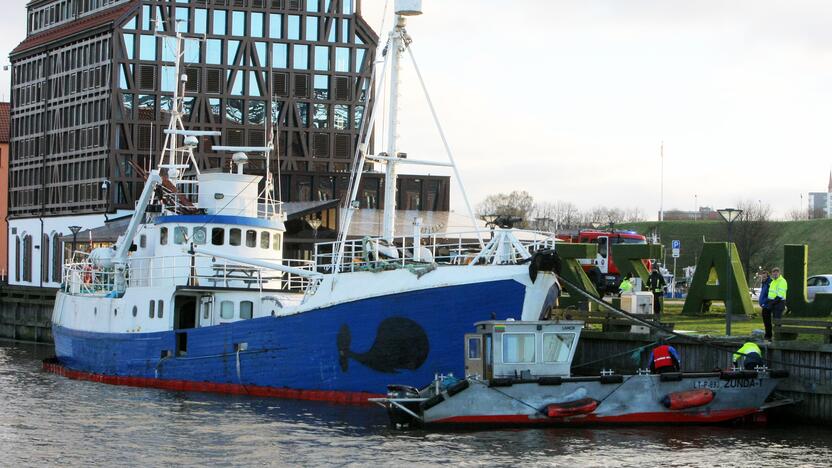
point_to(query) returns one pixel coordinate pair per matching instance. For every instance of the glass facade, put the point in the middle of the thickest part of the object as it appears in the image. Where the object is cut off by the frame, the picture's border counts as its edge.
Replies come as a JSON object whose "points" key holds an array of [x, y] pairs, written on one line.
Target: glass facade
{"points": [[300, 65]]}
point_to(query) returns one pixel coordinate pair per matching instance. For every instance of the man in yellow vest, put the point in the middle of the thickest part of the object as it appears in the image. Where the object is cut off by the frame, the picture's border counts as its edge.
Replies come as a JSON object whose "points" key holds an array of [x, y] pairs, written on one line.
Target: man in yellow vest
{"points": [[626, 287], [776, 300], [749, 357]]}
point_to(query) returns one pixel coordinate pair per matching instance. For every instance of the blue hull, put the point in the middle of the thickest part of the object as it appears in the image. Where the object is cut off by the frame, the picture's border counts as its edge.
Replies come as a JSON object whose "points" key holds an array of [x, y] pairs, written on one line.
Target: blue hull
{"points": [[360, 346]]}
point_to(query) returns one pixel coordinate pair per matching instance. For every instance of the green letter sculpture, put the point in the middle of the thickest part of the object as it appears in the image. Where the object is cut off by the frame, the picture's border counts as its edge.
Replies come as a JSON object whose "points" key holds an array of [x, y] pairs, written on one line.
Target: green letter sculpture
{"points": [[714, 262], [629, 258], [573, 272], [795, 263]]}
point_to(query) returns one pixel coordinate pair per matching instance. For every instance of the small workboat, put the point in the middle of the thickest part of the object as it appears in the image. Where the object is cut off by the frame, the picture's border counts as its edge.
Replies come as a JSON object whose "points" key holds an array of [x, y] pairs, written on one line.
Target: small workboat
{"points": [[518, 373]]}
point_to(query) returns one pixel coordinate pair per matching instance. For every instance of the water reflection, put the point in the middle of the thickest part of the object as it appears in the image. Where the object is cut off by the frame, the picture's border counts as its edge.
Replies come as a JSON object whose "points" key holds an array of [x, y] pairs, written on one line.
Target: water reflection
{"points": [[46, 419]]}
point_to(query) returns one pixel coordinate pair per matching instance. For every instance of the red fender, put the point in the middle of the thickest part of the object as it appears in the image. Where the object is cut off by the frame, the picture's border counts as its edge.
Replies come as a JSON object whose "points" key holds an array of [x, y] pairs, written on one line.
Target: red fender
{"points": [[571, 408], [688, 399]]}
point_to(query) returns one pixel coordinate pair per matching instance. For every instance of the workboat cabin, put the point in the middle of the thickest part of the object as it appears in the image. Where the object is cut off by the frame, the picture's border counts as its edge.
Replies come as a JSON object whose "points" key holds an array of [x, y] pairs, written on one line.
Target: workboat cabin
{"points": [[521, 350]]}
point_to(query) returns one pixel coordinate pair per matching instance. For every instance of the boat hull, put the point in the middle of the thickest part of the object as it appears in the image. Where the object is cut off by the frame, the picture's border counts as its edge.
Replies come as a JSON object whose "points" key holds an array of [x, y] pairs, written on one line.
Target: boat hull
{"points": [[627, 400], [343, 352]]}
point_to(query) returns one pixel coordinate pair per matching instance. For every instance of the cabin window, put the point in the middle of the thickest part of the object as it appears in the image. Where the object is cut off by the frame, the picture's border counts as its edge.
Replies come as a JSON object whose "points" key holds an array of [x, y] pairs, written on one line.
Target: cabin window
{"points": [[518, 348], [163, 236], [135, 311], [265, 237], [251, 238], [199, 235], [234, 236], [218, 236], [227, 310], [474, 348], [143, 241], [151, 313], [206, 310], [276, 242], [179, 234], [557, 346], [246, 310], [161, 312]]}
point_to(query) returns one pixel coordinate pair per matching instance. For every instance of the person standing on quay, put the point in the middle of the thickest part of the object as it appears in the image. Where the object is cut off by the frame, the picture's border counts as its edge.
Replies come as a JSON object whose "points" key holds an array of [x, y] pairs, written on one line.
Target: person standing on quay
{"points": [[656, 284], [765, 282], [776, 302]]}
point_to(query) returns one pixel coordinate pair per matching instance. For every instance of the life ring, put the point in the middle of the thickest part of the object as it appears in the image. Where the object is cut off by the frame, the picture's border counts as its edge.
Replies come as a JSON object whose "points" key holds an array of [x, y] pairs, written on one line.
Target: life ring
{"points": [[571, 408], [688, 399]]}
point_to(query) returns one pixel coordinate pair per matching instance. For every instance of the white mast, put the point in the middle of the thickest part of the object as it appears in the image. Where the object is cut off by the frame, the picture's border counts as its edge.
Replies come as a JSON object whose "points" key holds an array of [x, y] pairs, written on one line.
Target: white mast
{"points": [[397, 45]]}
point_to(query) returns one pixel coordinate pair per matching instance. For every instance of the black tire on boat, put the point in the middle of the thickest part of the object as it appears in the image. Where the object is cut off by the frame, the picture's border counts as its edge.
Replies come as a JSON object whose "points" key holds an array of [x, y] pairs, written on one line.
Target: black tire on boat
{"points": [[671, 377], [612, 379], [458, 387], [433, 401], [501, 382], [550, 380]]}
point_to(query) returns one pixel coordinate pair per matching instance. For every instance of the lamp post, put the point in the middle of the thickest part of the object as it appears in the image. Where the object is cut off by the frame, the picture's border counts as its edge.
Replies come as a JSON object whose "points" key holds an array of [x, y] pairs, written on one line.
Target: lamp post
{"points": [[74, 230], [314, 223], [729, 215]]}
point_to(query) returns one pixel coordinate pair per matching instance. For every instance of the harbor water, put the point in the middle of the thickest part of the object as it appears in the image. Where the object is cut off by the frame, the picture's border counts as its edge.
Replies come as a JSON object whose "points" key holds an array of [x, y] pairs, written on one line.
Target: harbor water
{"points": [[47, 420]]}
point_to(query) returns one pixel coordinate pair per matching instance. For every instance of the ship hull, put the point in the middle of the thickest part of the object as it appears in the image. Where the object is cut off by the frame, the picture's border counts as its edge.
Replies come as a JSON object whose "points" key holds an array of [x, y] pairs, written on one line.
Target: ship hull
{"points": [[343, 352]]}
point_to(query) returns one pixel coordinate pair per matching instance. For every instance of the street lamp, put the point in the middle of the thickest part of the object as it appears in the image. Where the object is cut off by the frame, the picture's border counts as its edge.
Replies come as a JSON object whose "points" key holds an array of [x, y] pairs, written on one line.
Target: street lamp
{"points": [[314, 223], [729, 215], [74, 230]]}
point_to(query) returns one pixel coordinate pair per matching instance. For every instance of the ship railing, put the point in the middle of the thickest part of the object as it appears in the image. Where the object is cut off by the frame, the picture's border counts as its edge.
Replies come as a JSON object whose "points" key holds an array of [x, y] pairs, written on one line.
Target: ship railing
{"points": [[219, 273], [238, 206], [85, 278], [451, 248]]}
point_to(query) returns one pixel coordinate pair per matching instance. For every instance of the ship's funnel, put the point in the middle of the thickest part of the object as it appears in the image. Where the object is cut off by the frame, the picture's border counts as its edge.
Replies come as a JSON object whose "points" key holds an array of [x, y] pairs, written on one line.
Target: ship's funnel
{"points": [[408, 7]]}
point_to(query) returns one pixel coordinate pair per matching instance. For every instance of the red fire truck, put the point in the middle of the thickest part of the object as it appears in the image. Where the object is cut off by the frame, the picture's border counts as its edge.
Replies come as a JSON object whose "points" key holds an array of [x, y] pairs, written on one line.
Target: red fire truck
{"points": [[602, 270]]}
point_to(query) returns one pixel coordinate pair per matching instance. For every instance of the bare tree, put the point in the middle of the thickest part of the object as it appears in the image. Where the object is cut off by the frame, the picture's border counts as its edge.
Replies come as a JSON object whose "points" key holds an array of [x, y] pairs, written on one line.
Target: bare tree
{"points": [[557, 216], [797, 214], [516, 203], [754, 234]]}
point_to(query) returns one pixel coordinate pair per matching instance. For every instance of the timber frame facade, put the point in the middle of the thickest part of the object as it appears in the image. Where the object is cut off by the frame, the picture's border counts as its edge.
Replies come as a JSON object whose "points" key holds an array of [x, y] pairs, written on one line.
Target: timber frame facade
{"points": [[93, 80]]}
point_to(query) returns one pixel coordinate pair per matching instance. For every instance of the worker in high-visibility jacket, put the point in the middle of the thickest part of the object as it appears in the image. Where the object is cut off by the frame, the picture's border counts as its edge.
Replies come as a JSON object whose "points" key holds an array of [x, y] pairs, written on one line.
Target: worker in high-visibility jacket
{"points": [[626, 286], [776, 303], [749, 356]]}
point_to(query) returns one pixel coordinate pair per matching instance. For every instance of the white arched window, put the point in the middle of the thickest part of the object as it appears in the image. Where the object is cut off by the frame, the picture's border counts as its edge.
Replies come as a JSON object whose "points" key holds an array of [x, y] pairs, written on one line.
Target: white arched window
{"points": [[57, 261], [27, 258]]}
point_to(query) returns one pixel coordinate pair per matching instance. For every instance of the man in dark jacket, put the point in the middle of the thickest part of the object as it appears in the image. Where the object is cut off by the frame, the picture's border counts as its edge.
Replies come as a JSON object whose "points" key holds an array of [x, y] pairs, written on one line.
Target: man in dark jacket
{"points": [[656, 283], [765, 281]]}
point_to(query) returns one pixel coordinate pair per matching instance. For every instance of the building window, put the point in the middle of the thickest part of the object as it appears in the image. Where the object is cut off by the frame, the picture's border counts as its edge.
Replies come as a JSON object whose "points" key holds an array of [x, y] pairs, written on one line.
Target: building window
{"points": [[44, 258], [293, 28], [246, 309], [27, 258], [219, 22], [57, 261], [275, 26]]}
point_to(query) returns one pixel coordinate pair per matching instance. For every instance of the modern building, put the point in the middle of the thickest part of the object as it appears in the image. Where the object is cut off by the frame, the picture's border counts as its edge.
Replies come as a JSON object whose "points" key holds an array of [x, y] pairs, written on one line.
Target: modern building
{"points": [[93, 81], [4, 190], [820, 203], [703, 213]]}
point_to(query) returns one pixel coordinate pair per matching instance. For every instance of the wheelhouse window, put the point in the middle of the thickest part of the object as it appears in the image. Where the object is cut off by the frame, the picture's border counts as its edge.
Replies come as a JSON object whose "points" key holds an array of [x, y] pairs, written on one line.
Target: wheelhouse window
{"points": [[163, 236], [557, 346], [251, 238], [265, 237], [180, 233], [218, 236], [276, 242], [226, 310], [234, 236], [246, 309], [518, 348]]}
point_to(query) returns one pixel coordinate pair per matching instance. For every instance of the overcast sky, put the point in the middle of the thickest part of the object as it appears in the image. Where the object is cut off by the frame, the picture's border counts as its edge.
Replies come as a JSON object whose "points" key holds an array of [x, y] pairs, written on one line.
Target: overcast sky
{"points": [[570, 100]]}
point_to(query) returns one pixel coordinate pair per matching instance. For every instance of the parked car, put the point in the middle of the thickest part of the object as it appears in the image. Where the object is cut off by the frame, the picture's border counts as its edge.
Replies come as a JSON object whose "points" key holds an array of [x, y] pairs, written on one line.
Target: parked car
{"points": [[818, 284]]}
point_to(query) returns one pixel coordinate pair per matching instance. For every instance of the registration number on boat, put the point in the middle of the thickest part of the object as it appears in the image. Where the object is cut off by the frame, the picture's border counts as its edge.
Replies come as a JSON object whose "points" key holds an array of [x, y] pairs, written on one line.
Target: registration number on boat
{"points": [[736, 383]]}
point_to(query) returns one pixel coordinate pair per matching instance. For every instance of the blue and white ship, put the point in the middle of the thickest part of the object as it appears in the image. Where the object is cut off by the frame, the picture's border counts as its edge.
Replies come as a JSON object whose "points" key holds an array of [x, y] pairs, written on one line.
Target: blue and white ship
{"points": [[196, 294]]}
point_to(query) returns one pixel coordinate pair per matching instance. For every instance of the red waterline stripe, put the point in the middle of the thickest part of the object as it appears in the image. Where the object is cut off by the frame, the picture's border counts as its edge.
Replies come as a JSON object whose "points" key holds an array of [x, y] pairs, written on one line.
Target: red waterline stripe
{"points": [[351, 398], [633, 418]]}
